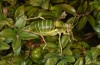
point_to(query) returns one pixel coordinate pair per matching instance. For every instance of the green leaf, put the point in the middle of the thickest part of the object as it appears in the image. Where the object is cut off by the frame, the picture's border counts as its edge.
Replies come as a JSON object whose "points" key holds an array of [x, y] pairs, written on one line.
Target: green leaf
{"points": [[85, 6], [9, 22], [98, 18], [3, 62], [7, 32], [82, 23], [57, 1], [21, 22], [64, 40], [73, 2], [52, 39], [95, 13], [84, 44], [69, 58], [8, 40], [71, 20], [79, 61], [51, 61], [98, 46], [95, 52], [88, 58], [77, 45], [97, 24], [77, 53], [91, 20], [18, 59], [69, 44], [62, 62], [28, 62], [56, 10], [19, 12], [67, 51], [97, 62], [92, 55], [4, 46], [46, 14], [51, 45], [95, 5], [6, 21], [1, 25], [68, 8], [97, 29], [50, 55], [45, 4], [12, 2], [16, 45], [36, 2], [80, 9], [20, 17], [24, 35], [31, 10]]}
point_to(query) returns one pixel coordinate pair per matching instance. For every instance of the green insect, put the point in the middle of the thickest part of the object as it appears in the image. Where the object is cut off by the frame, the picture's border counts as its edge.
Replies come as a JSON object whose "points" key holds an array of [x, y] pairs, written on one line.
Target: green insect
{"points": [[49, 28]]}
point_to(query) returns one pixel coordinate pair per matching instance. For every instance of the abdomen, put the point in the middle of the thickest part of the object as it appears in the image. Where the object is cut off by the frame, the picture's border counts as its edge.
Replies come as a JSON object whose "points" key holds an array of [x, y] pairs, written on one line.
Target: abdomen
{"points": [[43, 26]]}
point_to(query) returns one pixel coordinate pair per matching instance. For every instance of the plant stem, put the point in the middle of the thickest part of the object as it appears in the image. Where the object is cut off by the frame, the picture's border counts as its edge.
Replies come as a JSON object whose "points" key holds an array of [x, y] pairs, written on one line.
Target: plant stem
{"points": [[60, 45]]}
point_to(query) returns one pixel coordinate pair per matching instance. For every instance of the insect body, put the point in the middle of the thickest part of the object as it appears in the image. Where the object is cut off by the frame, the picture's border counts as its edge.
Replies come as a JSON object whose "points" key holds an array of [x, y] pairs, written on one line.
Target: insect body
{"points": [[48, 27]]}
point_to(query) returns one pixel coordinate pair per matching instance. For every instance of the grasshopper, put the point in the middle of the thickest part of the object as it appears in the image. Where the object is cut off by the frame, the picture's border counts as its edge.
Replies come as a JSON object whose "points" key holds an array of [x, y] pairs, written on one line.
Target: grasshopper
{"points": [[50, 28]]}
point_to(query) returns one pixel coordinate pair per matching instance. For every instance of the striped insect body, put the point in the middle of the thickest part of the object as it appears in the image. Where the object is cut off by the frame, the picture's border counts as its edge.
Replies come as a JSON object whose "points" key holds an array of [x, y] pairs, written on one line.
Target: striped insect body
{"points": [[51, 28], [47, 27]]}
